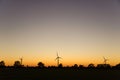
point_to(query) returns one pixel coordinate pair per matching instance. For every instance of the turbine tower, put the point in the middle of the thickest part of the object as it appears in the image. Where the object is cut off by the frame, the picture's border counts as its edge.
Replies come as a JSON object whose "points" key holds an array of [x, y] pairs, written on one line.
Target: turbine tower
{"points": [[58, 59], [105, 60], [21, 60]]}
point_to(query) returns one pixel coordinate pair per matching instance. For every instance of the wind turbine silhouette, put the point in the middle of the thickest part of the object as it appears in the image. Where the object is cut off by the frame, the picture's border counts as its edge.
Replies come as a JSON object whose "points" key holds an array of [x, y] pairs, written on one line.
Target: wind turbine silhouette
{"points": [[105, 60], [21, 60], [58, 59]]}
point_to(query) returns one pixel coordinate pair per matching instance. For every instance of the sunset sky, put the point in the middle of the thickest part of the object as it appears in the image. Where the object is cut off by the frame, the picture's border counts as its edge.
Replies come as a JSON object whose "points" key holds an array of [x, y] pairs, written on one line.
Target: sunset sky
{"points": [[82, 31]]}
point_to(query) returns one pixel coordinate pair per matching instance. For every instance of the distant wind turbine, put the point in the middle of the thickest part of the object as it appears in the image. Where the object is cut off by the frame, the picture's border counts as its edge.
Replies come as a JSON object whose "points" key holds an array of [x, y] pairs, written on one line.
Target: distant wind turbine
{"points": [[21, 60], [105, 60], [58, 59]]}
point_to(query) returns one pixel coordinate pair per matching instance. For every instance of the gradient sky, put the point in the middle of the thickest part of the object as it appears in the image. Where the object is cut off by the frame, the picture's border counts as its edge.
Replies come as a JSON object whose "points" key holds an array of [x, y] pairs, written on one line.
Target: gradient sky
{"points": [[82, 31]]}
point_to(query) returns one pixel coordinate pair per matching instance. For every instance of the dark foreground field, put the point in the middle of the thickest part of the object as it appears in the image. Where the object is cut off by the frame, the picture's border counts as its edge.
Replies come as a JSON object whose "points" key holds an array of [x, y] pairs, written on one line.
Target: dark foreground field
{"points": [[58, 74]]}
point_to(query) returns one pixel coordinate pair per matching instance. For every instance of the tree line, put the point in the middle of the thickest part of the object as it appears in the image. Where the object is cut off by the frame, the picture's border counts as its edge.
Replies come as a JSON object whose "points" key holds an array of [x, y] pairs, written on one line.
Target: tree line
{"points": [[42, 65]]}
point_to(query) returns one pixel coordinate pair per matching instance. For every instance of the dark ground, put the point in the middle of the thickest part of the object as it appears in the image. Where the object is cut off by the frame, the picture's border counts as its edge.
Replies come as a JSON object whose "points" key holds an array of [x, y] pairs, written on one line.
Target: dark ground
{"points": [[58, 74]]}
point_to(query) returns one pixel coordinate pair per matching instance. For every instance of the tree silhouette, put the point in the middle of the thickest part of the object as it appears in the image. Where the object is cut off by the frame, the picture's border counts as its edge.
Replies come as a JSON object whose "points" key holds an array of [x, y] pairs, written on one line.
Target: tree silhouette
{"points": [[117, 66], [75, 66], [41, 65], [17, 64], [60, 65], [103, 66], [91, 66], [81, 66], [2, 64]]}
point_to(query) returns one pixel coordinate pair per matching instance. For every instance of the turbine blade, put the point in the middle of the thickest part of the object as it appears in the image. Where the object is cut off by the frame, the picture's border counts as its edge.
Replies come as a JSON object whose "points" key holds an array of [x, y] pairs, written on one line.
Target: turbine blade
{"points": [[104, 58], [56, 58], [60, 57]]}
